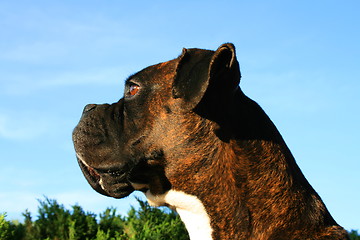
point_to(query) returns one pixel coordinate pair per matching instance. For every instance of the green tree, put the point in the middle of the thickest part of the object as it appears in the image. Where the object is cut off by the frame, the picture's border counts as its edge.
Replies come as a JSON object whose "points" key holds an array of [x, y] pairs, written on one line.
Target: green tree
{"points": [[10, 230], [101, 235], [72, 231], [354, 235], [53, 220], [82, 225], [153, 223], [5, 228], [28, 226], [111, 223]]}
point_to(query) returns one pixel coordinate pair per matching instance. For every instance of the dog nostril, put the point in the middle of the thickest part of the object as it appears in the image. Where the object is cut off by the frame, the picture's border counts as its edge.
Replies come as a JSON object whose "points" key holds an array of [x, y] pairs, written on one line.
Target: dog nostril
{"points": [[89, 107]]}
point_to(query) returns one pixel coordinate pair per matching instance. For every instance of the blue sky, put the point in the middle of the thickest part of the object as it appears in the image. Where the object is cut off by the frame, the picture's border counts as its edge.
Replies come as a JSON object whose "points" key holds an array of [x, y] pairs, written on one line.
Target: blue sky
{"points": [[300, 61]]}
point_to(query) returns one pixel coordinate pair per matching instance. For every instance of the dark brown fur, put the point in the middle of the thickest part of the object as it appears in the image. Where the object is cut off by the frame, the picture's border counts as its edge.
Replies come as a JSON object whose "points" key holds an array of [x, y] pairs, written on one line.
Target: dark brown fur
{"points": [[191, 128]]}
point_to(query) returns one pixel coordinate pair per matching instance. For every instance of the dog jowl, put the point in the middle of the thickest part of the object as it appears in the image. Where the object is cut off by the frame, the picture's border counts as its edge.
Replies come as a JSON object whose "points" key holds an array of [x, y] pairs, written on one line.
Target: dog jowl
{"points": [[186, 135]]}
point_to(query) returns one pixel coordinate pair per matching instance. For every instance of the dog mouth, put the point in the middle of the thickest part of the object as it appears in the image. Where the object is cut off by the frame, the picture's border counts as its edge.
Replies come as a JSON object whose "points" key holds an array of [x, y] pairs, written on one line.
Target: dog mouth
{"points": [[111, 182]]}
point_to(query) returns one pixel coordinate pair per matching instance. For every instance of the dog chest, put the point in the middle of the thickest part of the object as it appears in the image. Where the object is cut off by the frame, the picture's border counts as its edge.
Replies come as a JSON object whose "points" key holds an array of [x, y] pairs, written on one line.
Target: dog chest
{"points": [[191, 210]]}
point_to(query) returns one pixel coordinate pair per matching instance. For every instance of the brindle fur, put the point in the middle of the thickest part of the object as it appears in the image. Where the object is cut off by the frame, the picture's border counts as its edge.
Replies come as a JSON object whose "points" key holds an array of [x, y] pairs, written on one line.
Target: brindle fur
{"points": [[191, 128]]}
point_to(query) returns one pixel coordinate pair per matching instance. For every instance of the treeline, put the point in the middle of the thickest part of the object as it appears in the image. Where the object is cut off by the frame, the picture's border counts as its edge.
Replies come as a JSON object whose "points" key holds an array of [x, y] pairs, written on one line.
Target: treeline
{"points": [[55, 222]]}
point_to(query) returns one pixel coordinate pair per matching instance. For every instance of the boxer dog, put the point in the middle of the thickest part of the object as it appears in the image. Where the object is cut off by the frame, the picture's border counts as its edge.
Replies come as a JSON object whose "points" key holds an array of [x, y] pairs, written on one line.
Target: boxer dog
{"points": [[187, 136]]}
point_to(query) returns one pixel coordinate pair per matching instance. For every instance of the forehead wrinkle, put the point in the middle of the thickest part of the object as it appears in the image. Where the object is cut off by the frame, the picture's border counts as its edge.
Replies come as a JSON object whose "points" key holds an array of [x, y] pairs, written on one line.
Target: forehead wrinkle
{"points": [[132, 76], [156, 74]]}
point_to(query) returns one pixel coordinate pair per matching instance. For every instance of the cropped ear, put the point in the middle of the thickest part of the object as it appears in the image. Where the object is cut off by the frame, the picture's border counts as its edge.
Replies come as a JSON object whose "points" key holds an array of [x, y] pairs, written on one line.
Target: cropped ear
{"points": [[224, 68], [200, 71]]}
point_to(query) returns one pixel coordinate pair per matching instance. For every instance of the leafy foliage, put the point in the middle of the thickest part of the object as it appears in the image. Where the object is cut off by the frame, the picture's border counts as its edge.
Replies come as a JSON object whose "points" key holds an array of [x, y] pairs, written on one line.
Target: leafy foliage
{"points": [[10, 230], [354, 235], [153, 223], [55, 222]]}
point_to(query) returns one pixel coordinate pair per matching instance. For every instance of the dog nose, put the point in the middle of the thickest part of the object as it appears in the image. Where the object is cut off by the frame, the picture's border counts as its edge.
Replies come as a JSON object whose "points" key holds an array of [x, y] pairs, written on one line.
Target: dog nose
{"points": [[89, 107]]}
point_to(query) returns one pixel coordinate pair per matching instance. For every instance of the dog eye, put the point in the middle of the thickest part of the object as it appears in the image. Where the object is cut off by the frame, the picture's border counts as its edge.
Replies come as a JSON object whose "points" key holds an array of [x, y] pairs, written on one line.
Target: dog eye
{"points": [[133, 89]]}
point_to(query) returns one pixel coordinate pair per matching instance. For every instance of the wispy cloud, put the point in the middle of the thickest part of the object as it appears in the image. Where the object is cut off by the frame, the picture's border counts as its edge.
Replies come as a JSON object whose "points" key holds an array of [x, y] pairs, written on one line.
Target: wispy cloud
{"points": [[22, 84], [34, 52], [15, 203], [48, 47], [17, 127]]}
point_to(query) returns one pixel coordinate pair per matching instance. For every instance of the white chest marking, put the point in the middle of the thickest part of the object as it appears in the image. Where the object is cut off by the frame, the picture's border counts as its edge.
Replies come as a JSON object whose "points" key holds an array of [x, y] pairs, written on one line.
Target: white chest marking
{"points": [[192, 212]]}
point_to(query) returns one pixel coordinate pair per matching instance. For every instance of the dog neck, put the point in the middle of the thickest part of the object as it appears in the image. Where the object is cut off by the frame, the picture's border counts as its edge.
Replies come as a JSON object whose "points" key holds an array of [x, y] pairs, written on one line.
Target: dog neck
{"points": [[249, 187], [191, 210], [228, 201]]}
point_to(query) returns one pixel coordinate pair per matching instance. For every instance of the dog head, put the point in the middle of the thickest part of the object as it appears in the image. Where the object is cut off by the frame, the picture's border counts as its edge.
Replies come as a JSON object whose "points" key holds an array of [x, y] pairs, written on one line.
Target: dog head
{"points": [[154, 137]]}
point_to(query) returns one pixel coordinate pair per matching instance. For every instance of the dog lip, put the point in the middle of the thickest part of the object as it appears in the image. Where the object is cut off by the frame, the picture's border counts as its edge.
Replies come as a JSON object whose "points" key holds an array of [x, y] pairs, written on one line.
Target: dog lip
{"points": [[96, 172], [88, 171], [92, 177], [95, 178], [115, 172]]}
